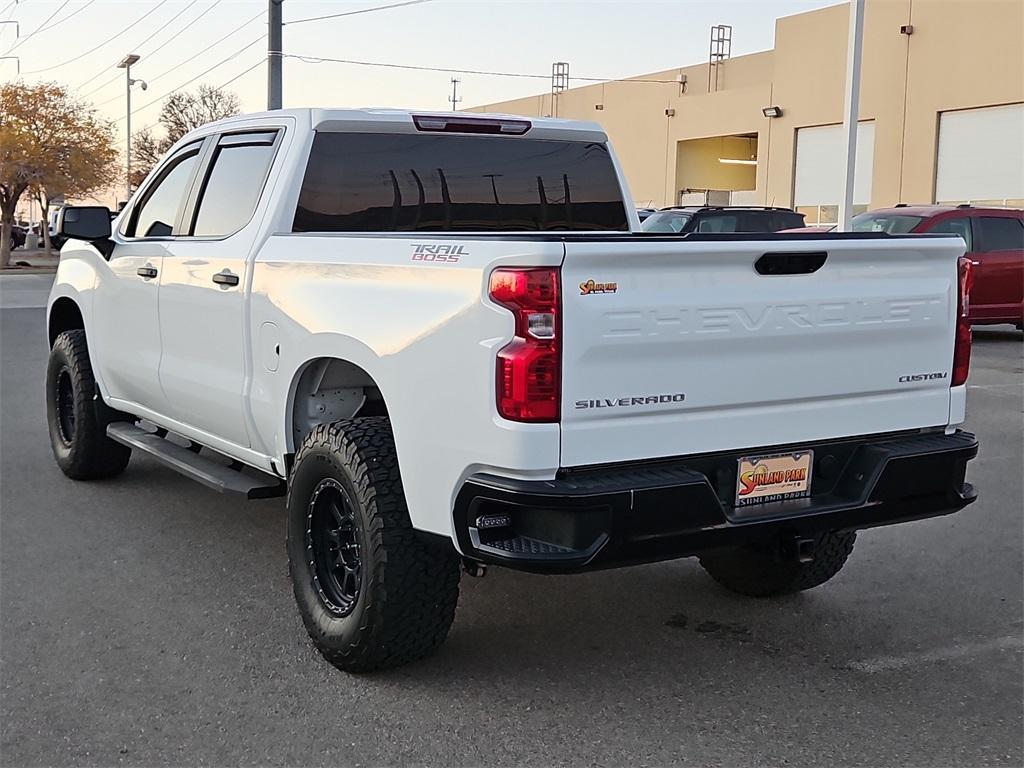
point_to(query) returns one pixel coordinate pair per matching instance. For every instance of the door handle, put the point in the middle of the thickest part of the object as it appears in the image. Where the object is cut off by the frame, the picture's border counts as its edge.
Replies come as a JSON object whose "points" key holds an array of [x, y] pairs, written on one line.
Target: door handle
{"points": [[147, 273], [225, 278], [785, 263]]}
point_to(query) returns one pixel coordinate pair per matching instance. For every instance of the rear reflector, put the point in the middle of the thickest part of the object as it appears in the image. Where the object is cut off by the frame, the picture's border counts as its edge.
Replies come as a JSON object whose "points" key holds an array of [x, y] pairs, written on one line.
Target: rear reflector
{"points": [[529, 377], [460, 124], [962, 345]]}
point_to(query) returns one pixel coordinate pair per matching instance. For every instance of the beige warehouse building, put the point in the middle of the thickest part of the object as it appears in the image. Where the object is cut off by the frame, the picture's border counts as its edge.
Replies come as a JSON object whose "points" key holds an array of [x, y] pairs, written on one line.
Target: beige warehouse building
{"points": [[941, 113]]}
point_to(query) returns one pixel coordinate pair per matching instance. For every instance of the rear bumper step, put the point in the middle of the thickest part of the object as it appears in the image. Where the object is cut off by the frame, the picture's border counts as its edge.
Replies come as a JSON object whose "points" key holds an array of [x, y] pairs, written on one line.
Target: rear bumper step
{"points": [[249, 482], [607, 516]]}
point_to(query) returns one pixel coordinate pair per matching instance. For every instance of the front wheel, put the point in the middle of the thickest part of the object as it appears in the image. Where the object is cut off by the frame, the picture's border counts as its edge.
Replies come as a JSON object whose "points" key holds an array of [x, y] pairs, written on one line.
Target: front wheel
{"points": [[79, 439], [764, 570], [372, 594]]}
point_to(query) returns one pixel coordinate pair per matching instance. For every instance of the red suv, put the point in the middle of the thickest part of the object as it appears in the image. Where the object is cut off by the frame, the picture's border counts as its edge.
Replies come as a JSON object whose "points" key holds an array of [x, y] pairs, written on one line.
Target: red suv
{"points": [[995, 243]]}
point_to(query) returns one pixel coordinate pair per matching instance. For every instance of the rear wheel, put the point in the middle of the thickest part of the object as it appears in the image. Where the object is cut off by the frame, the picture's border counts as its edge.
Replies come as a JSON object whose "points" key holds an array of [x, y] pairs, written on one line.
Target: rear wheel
{"points": [[372, 594], [79, 439], [766, 570]]}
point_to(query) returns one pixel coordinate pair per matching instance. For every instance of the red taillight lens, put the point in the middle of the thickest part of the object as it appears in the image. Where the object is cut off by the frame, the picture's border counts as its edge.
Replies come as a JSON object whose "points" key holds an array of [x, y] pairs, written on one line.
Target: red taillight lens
{"points": [[962, 345], [529, 367]]}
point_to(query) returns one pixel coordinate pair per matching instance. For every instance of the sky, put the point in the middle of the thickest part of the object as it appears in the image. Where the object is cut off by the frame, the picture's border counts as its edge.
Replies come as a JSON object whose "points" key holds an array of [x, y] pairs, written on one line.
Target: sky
{"points": [[598, 38]]}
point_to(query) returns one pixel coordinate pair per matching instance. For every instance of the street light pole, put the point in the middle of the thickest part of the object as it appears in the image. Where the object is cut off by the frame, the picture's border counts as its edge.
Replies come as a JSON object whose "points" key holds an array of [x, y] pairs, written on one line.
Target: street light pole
{"points": [[851, 106], [126, 65]]}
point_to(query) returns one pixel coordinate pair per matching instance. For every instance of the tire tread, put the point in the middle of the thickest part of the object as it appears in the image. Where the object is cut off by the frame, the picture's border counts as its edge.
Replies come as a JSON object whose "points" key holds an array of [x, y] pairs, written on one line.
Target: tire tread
{"points": [[413, 589]]}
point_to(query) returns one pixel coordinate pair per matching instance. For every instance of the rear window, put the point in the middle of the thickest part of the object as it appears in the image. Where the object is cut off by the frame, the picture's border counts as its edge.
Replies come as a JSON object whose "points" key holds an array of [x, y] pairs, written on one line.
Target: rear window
{"points": [[379, 182], [890, 223], [665, 221], [1000, 233]]}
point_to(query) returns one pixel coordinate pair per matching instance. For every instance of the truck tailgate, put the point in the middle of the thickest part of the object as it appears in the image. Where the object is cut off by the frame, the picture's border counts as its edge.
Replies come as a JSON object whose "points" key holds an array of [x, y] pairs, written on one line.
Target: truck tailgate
{"points": [[675, 347]]}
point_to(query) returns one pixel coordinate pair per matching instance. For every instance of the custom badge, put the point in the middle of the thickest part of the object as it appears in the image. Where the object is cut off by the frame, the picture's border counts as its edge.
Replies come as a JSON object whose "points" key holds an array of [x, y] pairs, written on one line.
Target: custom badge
{"points": [[590, 287]]}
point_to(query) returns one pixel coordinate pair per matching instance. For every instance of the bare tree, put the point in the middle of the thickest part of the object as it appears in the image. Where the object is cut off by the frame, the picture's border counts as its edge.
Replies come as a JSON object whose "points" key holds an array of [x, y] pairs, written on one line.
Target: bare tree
{"points": [[181, 112]]}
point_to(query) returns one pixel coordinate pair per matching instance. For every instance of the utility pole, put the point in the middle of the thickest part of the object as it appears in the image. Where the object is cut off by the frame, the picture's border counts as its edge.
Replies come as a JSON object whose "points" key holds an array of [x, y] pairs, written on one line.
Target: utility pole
{"points": [[454, 98], [275, 42], [126, 65], [17, 35], [854, 48]]}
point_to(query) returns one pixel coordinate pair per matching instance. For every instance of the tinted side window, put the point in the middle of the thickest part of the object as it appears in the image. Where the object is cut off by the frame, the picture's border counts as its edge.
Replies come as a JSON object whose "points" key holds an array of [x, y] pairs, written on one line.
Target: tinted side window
{"points": [[233, 184], [1000, 234], [416, 183], [961, 225], [718, 222], [759, 221], [785, 220], [156, 214]]}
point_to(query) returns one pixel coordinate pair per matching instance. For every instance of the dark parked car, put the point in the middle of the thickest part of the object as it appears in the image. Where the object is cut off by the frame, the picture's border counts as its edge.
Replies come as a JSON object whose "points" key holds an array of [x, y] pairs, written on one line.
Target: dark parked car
{"points": [[708, 218], [995, 243], [17, 237]]}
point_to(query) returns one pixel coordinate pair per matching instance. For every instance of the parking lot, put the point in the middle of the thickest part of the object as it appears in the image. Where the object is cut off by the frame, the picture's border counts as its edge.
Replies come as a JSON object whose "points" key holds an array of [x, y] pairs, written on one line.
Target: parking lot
{"points": [[150, 621]]}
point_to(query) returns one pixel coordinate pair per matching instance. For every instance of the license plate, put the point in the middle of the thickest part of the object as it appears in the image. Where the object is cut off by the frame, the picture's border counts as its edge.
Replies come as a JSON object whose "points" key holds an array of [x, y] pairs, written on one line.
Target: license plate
{"points": [[771, 478]]}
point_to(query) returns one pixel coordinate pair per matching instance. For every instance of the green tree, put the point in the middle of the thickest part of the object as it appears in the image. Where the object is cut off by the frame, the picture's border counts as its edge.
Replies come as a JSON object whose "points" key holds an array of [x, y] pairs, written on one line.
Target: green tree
{"points": [[49, 142]]}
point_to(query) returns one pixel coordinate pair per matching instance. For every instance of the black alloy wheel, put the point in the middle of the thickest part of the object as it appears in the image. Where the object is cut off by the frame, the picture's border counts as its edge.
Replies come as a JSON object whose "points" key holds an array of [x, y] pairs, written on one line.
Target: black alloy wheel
{"points": [[332, 544], [65, 406]]}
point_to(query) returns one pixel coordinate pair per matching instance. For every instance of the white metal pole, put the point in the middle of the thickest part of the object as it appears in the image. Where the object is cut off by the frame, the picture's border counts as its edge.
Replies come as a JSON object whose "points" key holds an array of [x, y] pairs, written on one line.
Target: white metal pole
{"points": [[850, 110], [128, 131]]}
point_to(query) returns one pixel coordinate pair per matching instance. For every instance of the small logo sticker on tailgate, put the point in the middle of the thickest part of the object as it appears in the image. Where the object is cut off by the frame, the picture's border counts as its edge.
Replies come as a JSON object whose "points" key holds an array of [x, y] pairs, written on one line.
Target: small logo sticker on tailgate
{"points": [[588, 287]]}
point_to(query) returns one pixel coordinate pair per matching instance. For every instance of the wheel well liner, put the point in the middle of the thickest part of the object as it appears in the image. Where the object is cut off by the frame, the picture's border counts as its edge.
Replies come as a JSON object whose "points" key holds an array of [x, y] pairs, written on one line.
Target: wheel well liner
{"points": [[64, 316], [329, 389]]}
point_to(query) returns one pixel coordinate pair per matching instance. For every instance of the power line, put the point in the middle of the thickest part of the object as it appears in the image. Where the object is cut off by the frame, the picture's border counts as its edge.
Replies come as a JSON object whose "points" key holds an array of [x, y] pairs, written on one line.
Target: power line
{"points": [[187, 26], [192, 80], [244, 72], [171, 38], [41, 26], [9, 8], [96, 48], [451, 70], [356, 13], [195, 55], [223, 85], [74, 13], [159, 29]]}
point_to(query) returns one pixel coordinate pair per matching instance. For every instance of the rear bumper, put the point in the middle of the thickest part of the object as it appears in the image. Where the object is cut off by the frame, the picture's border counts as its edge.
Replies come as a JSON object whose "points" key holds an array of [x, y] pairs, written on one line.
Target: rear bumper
{"points": [[603, 517]]}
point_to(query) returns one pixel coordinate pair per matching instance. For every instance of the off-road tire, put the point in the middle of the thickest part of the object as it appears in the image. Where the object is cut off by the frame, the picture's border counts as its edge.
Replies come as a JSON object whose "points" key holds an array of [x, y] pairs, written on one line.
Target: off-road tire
{"points": [[765, 570], [81, 446], [408, 587]]}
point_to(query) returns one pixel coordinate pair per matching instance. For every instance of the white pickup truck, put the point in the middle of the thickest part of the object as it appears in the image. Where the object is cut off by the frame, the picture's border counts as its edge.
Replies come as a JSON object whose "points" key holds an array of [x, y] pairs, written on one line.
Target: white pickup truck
{"points": [[445, 339]]}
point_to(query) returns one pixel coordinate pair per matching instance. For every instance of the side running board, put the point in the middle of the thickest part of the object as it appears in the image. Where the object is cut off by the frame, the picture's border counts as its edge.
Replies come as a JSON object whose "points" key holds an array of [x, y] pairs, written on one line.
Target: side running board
{"points": [[250, 482]]}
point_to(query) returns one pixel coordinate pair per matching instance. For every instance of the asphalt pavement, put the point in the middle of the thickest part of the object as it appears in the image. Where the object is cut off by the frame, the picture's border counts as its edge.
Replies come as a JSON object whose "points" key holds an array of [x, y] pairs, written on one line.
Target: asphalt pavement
{"points": [[149, 621]]}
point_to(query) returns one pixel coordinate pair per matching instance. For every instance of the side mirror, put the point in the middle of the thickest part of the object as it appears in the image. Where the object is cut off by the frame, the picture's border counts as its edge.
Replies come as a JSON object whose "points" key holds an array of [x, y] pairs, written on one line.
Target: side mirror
{"points": [[85, 222]]}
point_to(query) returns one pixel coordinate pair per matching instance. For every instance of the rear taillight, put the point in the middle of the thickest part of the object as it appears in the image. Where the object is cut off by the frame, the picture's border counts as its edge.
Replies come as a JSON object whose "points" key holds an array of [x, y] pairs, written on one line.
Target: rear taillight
{"points": [[529, 367], [962, 345]]}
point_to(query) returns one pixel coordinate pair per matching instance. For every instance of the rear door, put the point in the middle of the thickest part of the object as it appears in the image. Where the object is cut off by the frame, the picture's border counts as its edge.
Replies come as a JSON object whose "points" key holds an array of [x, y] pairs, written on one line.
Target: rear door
{"points": [[202, 288], [999, 267], [688, 348]]}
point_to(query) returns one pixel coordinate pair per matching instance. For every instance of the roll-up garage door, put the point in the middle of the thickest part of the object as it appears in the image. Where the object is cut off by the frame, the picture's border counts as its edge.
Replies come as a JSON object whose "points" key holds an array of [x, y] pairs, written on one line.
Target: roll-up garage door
{"points": [[818, 181], [981, 156]]}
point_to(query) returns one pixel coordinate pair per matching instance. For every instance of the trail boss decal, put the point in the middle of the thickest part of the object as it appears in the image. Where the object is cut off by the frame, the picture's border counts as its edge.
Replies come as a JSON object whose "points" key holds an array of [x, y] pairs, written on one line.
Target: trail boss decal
{"points": [[629, 402], [590, 287], [439, 254]]}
